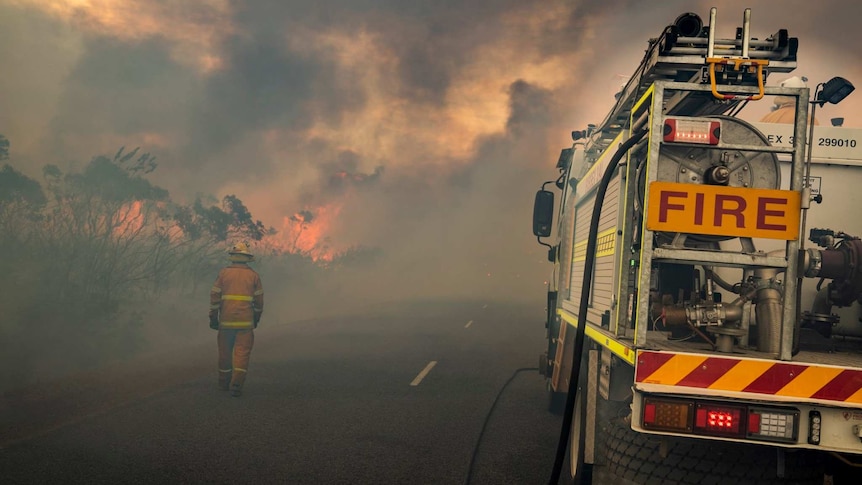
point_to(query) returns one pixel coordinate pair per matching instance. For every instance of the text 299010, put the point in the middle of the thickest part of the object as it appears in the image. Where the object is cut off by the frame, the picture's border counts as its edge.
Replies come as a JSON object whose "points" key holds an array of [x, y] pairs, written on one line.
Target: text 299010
{"points": [[836, 142]]}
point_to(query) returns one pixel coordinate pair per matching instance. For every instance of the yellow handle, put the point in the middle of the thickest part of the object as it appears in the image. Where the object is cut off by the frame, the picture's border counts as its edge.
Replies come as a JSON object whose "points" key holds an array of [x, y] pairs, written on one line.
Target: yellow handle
{"points": [[712, 61]]}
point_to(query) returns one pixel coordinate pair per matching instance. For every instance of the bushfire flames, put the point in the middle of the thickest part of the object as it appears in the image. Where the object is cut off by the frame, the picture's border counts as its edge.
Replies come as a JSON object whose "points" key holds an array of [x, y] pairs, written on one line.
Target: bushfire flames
{"points": [[307, 232], [129, 219]]}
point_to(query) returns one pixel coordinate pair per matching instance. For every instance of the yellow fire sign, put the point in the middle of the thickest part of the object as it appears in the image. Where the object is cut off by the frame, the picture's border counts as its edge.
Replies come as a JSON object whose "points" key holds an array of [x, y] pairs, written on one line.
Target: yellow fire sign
{"points": [[723, 211]]}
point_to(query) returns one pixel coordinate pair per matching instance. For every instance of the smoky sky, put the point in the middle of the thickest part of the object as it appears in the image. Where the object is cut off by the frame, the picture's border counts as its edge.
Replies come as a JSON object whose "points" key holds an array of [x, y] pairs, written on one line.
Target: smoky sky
{"points": [[428, 124]]}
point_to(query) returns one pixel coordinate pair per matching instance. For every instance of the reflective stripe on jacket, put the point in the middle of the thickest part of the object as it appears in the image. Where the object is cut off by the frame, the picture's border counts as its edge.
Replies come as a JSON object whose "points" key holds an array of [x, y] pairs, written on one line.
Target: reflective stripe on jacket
{"points": [[237, 294]]}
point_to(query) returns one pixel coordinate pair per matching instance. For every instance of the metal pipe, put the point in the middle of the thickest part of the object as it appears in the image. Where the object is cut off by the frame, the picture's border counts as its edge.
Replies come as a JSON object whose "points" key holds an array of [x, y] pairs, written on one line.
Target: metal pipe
{"points": [[733, 311], [793, 340], [806, 190], [721, 281], [711, 47], [678, 51], [735, 42], [768, 310], [821, 303], [746, 32]]}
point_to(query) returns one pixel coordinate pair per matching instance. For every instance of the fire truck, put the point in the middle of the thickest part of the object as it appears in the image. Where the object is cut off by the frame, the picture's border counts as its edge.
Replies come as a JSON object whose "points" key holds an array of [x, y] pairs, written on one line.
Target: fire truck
{"points": [[703, 318]]}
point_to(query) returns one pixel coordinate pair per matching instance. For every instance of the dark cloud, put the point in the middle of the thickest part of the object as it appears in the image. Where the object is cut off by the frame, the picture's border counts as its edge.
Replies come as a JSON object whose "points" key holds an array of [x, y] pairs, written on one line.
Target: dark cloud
{"points": [[529, 107], [278, 122], [263, 87], [120, 89]]}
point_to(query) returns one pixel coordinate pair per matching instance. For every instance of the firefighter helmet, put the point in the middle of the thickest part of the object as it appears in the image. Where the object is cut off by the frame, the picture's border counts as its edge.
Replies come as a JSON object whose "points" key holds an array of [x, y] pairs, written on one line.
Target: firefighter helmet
{"points": [[794, 82], [791, 82], [240, 253]]}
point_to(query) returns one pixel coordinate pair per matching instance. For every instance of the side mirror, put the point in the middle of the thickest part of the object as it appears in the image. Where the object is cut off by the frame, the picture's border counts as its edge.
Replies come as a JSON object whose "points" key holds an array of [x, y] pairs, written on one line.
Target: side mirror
{"points": [[543, 213]]}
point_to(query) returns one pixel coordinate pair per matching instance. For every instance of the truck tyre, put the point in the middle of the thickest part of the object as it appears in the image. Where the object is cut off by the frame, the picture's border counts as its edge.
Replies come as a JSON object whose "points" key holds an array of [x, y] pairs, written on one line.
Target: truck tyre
{"points": [[637, 458], [575, 471]]}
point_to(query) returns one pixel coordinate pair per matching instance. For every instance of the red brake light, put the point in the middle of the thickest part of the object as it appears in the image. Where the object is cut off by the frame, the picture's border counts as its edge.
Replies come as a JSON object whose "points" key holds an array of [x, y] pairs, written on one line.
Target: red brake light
{"points": [[649, 413], [719, 420], [697, 131], [725, 419], [753, 423]]}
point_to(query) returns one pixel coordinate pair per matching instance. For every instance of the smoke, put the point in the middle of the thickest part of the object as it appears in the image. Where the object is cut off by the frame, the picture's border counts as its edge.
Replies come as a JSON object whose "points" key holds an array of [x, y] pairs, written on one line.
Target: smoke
{"points": [[417, 129]]}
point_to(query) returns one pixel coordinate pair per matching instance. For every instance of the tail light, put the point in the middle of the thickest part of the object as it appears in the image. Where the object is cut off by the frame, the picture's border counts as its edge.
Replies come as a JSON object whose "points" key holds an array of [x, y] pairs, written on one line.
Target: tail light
{"points": [[667, 415], [696, 131], [773, 424], [721, 419]]}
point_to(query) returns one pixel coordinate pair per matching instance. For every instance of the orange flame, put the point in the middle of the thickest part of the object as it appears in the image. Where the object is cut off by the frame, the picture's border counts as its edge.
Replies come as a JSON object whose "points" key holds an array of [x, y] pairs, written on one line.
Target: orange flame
{"points": [[129, 219], [307, 232], [134, 219]]}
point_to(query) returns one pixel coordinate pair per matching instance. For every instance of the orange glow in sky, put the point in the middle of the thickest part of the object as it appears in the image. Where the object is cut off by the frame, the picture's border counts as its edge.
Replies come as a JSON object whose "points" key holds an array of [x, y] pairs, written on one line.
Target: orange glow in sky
{"points": [[365, 107], [194, 27]]}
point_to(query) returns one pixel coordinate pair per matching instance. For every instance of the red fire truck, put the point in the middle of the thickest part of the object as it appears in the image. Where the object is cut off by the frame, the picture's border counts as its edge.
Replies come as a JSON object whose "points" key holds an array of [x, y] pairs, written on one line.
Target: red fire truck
{"points": [[704, 311]]}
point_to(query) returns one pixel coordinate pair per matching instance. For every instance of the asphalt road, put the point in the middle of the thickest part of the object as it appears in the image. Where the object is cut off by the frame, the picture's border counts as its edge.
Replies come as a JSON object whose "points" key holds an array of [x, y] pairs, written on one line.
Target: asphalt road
{"points": [[334, 400]]}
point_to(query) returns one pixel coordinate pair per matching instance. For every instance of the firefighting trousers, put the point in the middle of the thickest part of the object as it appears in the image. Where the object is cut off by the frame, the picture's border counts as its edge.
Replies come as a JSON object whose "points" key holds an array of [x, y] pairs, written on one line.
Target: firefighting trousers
{"points": [[234, 350]]}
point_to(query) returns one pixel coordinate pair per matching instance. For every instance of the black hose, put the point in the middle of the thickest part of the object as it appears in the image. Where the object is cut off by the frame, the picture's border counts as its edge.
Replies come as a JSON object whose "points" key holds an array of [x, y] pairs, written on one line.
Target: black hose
{"points": [[488, 419], [585, 299]]}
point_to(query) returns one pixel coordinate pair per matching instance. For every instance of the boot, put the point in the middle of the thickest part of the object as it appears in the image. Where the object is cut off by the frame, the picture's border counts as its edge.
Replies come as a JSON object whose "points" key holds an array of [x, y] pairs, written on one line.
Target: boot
{"points": [[236, 391]]}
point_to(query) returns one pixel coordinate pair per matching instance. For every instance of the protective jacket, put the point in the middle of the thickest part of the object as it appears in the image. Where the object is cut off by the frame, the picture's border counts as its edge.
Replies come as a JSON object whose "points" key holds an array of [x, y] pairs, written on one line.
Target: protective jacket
{"points": [[784, 113], [237, 296]]}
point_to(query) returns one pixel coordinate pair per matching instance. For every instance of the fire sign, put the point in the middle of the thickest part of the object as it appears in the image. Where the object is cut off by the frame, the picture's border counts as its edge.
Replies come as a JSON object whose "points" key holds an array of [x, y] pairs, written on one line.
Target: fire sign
{"points": [[723, 211]]}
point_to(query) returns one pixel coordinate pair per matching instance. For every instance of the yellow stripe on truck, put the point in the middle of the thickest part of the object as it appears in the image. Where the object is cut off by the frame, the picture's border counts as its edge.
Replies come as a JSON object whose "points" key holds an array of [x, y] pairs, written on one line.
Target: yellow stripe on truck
{"points": [[664, 371], [605, 244], [675, 369], [809, 381], [621, 350], [741, 375]]}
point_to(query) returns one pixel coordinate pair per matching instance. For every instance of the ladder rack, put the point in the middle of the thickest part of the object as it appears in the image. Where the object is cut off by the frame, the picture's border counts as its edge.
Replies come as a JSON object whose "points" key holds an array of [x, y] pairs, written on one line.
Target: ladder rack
{"points": [[686, 58]]}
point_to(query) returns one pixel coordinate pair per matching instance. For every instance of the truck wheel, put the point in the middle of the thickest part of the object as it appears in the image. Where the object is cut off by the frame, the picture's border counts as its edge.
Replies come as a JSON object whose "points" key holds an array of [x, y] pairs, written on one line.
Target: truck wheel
{"points": [[575, 471], [637, 458]]}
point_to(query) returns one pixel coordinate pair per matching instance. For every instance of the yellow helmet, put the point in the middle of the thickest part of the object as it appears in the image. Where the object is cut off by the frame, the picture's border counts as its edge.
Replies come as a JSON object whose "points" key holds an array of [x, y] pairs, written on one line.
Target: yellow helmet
{"points": [[240, 253]]}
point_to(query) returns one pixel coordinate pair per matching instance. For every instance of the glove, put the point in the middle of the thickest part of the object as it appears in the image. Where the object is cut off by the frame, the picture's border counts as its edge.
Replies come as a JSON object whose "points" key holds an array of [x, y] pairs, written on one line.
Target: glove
{"points": [[256, 319], [214, 322]]}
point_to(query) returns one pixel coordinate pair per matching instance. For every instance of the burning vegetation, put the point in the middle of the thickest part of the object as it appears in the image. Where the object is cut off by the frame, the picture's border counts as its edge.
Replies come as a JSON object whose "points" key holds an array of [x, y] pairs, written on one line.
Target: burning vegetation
{"points": [[306, 233], [91, 255]]}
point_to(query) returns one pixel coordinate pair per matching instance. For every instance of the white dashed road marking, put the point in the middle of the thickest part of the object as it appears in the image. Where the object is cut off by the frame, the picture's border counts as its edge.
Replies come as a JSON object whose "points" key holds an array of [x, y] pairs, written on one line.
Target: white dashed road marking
{"points": [[424, 373], [468, 324]]}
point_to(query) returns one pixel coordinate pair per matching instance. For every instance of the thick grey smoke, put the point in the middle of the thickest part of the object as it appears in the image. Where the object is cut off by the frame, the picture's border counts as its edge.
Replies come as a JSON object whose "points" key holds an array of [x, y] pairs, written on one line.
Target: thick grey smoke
{"points": [[424, 127]]}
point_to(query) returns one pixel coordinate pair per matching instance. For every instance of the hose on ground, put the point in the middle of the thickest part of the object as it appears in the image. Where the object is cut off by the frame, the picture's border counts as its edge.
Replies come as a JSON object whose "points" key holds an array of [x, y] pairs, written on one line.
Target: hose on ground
{"points": [[488, 419]]}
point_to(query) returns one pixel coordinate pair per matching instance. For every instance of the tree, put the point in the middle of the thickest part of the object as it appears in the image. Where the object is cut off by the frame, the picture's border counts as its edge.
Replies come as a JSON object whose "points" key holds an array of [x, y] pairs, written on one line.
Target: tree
{"points": [[17, 188], [209, 228], [103, 221], [85, 250]]}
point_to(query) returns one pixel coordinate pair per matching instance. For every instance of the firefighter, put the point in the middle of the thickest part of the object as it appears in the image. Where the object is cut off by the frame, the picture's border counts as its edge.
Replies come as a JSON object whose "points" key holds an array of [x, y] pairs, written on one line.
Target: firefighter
{"points": [[784, 110], [236, 305]]}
